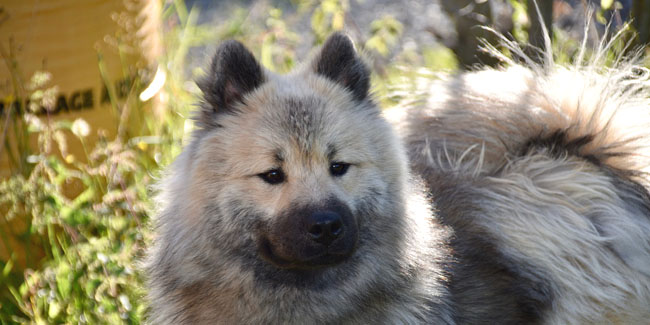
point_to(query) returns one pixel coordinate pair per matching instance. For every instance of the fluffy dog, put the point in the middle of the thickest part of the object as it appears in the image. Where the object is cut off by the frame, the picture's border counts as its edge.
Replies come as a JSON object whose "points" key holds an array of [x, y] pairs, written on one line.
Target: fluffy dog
{"points": [[295, 201]]}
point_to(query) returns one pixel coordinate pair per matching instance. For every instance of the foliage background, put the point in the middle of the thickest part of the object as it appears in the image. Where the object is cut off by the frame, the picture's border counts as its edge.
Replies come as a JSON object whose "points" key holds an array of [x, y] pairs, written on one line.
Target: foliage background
{"points": [[82, 250]]}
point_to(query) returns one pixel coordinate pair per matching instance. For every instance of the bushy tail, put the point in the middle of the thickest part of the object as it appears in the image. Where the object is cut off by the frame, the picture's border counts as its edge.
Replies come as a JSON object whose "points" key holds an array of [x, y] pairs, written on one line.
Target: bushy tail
{"points": [[554, 160]]}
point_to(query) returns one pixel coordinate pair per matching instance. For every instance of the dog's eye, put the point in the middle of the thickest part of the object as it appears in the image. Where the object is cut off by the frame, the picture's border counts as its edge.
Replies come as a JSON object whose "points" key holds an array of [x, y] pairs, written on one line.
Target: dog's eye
{"points": [[338, 168], [273, 176]]}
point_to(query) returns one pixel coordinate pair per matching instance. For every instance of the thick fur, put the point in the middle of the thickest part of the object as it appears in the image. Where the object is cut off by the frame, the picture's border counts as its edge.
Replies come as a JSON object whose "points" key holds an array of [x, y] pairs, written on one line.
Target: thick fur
{"points": [[206, 267], [534, 206], [543, 172]]}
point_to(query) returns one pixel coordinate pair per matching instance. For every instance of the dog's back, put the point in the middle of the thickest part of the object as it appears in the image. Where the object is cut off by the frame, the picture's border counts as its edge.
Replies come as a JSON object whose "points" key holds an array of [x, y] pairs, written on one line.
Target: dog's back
{"points": [[541, 173]]}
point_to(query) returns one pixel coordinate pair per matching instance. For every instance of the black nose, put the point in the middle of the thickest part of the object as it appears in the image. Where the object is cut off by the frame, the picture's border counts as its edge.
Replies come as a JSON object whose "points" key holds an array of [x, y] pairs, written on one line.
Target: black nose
{"points": [[325, 227]]}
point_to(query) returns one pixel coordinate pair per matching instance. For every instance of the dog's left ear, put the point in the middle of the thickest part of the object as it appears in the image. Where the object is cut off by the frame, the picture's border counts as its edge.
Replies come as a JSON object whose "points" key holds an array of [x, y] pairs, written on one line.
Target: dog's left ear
{"points": [[339, 62]]}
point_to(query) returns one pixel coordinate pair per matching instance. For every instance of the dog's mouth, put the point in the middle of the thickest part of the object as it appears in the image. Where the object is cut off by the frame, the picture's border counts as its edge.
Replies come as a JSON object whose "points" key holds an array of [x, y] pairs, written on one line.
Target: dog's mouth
{"points": [[317, 258]]}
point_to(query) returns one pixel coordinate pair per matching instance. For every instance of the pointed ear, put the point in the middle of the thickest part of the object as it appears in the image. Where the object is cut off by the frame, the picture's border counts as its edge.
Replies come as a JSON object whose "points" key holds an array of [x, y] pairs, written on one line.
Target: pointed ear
{"points": [[234, 73], [339, 62]]}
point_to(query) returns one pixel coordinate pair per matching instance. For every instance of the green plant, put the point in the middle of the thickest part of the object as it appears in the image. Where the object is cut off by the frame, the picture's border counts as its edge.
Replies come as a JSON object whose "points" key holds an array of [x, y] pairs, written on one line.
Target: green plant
{"points": [[79, 224]]}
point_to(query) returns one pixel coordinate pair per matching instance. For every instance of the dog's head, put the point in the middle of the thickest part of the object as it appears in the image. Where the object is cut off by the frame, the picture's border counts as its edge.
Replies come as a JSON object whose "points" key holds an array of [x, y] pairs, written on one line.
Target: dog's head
{"points": [[295, 172]]}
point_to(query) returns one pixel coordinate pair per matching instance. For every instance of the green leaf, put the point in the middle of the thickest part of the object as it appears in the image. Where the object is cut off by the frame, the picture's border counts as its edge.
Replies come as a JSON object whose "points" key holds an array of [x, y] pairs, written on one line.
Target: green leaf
{"points": [[63, 280], [600, 17], [7, 269], [54, 310], [91, 286]]}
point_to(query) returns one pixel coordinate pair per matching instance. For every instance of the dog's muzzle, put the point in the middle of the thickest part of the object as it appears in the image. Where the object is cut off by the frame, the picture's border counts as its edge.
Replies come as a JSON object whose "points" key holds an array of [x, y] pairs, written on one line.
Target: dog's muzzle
{"points": [[310, 237]]}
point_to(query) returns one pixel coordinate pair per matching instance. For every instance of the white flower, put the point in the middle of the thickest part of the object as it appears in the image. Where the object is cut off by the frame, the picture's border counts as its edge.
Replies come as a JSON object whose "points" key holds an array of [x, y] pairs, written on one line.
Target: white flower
{"points": [[80, 128], [124, 300], [102, 258]]}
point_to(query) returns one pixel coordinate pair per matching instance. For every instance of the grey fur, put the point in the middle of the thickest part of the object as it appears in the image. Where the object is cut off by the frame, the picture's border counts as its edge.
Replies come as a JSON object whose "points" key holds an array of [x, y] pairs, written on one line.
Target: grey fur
{"points": [[207, 266], [234, 72], [491, 234], [541, 172], [338, 62]]}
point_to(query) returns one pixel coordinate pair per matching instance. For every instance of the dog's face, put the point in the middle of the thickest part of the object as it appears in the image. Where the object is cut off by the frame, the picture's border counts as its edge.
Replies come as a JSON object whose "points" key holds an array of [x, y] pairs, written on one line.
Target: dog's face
{"points": [[294, 173]]}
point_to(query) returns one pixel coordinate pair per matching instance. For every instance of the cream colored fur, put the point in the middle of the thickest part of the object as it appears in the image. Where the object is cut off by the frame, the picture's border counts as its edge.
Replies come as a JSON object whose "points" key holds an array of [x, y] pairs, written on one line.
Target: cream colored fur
{"points": [[560, 215]]}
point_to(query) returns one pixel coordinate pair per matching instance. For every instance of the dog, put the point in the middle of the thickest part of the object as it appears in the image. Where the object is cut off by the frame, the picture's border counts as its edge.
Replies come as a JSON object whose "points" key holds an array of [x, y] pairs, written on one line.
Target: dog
{"points": [[514, 195]]}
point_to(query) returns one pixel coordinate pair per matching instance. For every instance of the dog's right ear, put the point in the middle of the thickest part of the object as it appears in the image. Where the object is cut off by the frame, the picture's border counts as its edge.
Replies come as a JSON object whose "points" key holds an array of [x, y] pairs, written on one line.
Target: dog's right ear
{"points": [[234, 72], [339, 62]]}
